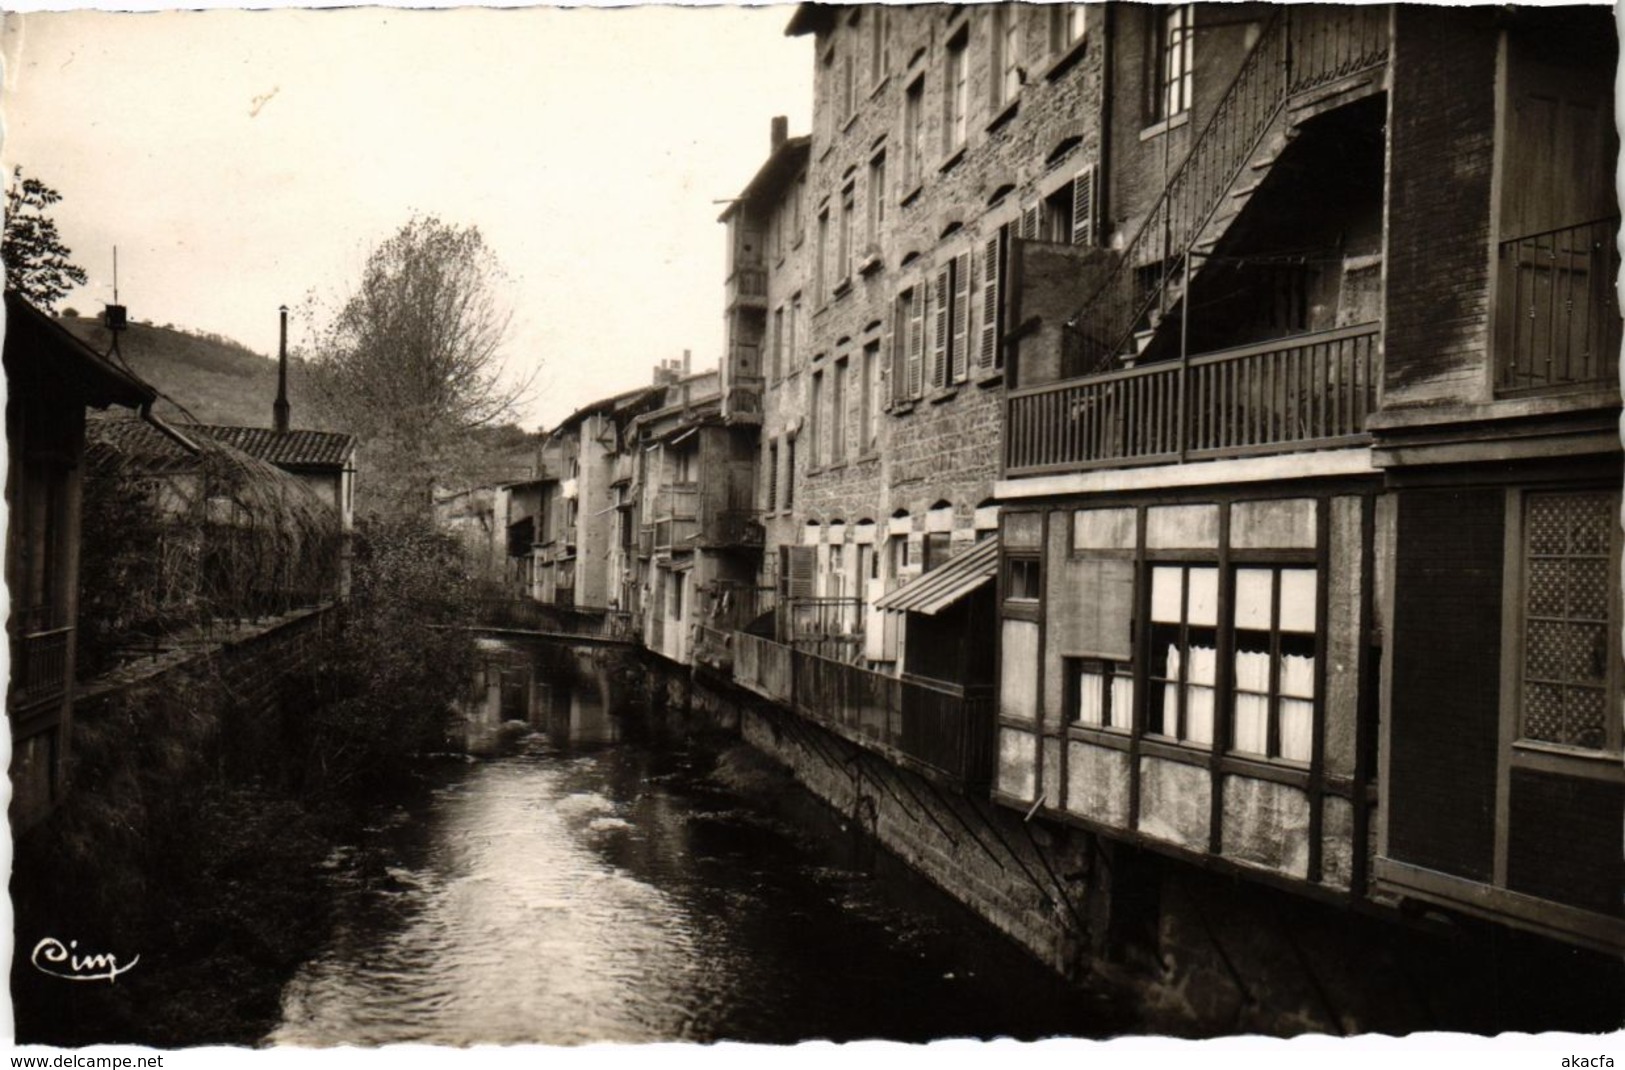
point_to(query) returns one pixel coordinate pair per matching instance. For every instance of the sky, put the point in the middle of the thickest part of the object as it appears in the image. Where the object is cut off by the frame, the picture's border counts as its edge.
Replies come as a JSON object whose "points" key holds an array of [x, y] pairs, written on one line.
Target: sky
{"points": [[241, 160]]}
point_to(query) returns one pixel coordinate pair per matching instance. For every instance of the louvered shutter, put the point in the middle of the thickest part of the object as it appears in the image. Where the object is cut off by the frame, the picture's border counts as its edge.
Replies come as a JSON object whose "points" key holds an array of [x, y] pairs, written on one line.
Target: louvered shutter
{"points": [[803, 562], [987, 349], [959, 356], [1029, 222], [901, 319], [1083, 207], [941, 299], [916, 341]]}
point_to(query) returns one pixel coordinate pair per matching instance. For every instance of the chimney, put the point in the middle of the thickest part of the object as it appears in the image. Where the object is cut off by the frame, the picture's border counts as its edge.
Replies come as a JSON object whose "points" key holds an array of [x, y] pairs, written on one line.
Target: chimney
{"points": [[279, 411], [781, 132], [686, 358]]}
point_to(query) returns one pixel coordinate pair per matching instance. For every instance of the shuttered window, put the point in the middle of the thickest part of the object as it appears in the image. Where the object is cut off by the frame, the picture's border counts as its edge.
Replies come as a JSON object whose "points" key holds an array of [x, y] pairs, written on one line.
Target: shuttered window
{"points": [[959, 344], [989, 354], [1083, 207], [941, 297]]}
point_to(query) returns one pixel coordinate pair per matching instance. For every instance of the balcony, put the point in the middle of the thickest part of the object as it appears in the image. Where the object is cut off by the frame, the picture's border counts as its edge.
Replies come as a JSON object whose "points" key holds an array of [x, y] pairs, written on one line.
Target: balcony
{"points": [[40, 667], [560, 617], [1306, 392], [747, 287], [743, 404], [676, 517], [1557, 322], [936, 729]]}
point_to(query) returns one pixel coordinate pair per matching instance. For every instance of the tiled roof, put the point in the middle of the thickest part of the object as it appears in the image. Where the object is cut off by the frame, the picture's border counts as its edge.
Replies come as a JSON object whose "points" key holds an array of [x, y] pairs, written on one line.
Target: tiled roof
{"points": [[138, 443], [296, 449]]}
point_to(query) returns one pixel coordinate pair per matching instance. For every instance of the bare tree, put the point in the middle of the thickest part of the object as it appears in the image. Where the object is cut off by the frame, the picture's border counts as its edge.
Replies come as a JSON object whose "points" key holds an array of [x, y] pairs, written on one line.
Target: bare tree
{"points": [[410, 362]]}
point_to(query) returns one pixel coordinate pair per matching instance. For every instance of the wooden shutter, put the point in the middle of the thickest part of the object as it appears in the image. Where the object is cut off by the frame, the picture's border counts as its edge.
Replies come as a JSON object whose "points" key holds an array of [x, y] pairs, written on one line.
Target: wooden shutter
{"points": [[941, 298], [958, 357], [803, 570], [1083, 207], [916, 341], [987, 349], [1029, 221], [902, 316]]}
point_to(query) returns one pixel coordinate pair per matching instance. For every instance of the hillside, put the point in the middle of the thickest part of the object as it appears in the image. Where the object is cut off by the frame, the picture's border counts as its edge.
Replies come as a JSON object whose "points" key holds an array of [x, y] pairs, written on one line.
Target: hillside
{"points": [[219, 381]]}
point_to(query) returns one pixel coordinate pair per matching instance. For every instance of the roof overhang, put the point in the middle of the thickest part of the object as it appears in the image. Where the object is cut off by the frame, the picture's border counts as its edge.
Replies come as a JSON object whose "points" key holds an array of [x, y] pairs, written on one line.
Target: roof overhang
{"points": [[69, 361], [940, 588]]}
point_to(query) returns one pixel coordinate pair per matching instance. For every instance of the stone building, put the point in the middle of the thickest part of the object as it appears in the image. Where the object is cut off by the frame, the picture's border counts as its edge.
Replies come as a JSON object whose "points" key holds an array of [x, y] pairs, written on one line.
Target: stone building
{"points": [[1265, 357]]}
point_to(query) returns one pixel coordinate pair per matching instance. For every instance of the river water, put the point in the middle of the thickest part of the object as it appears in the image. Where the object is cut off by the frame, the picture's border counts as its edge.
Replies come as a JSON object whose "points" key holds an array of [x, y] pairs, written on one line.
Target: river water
{"points": [[593, 877]]}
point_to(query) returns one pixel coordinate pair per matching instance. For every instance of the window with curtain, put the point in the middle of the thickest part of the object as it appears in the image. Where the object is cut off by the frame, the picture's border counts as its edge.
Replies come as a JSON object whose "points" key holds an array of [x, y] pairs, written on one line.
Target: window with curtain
{"points": [[1273, 616], [1183, 674]]}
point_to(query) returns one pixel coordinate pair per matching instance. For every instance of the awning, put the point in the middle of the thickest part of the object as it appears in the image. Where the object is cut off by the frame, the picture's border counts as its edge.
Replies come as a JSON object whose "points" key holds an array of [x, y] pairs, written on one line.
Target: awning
{"points": [[943, 586]]}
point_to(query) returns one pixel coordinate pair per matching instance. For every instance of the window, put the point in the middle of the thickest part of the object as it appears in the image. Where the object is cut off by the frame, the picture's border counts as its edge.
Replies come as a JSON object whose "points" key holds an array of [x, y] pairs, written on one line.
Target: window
{"points": [[950, 339], [827, 114], [789, 472], [1184, 652], [1057, 216], [844, 250], [1068, 214], [914, 134], [1100, 692], [791, 354], [908, 344], [821, 264], [814, 410], [1065, 26], [866, 398], [879, 60], [1566, 662], [1008, 72], [796, 201], [955, 96], [837, 572], [772, 477], [899, 556], [837, 413], [877, 198], [1273, 614], [936, 549], [776, 361], [1176, 42], [849, 89], [989, 352], [1021, 579], [678, 581]]}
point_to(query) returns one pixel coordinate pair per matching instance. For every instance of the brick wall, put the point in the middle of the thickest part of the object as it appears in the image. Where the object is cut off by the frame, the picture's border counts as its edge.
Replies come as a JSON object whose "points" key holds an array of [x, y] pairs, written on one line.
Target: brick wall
{"points": [[1441, 145]]}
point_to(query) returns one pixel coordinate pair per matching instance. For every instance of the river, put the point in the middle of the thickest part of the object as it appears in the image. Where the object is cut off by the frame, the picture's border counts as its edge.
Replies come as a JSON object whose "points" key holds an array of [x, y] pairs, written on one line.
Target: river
{"points": [[594, 876]]}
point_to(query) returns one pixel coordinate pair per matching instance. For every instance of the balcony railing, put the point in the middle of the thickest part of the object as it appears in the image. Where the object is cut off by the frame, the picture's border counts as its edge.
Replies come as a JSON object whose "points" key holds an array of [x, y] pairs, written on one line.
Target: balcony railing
{"points": [[933, 727], [832, 627], [734, 527], [748, 285], [40, 666], [1305, 392], [676, 516], [745, 398], [1557, 322]]}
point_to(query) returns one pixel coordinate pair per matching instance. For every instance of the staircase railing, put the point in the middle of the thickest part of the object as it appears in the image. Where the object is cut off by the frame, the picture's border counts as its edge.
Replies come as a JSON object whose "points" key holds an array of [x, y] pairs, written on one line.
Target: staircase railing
{"points": [[1299, 49]]}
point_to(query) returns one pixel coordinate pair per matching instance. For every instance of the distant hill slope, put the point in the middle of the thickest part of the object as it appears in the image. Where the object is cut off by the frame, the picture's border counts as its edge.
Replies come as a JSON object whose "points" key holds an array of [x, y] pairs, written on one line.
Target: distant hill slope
{"points": [[223, 382], [218, 381]]}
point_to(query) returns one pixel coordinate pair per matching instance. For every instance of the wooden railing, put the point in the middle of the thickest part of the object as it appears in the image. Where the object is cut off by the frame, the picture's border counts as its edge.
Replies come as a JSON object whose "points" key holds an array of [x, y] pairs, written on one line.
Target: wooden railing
{"points": [[1304, 392], [1301, 48], [934, 727], [676, 519], [40, 666], [749, 282], [1557, 318]]}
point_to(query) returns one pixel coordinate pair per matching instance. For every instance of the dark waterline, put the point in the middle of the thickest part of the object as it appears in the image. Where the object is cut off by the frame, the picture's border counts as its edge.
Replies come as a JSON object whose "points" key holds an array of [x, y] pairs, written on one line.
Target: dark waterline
{"points": [[597, 883]]}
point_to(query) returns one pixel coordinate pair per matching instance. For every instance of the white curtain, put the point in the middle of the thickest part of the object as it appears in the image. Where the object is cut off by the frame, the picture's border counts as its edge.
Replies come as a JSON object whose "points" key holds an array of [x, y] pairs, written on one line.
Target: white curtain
{"points": [[1202, 675], [1122, 699], [1252, 711], [1091, 696], [1297, 706], [1170, 693]]}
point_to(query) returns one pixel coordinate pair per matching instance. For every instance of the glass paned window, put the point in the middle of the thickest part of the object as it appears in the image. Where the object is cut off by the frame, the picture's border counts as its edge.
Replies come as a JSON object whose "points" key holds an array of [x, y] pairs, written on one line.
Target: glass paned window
{"points": [[1021, 579], [1274, 617], [1184, 652], [1104, 693]]}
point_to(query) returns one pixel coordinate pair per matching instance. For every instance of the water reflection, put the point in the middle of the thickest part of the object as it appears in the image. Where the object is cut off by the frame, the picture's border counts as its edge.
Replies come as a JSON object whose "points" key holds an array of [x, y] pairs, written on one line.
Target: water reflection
{"points": [[559, 692], [572, 890]]}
